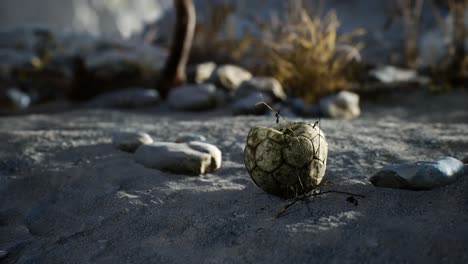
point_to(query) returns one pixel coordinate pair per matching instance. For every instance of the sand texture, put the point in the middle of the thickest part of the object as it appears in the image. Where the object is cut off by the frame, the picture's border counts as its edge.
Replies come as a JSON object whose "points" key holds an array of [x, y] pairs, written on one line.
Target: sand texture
{"points": [[67, 195]]}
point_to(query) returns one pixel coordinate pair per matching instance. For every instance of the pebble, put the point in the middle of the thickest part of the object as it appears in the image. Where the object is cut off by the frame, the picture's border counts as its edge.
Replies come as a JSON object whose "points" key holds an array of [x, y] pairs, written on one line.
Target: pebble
{"points": [[391, 74], [267, 85], [194, 97], [248, 105], [200, 73], [179, 158], [187, 137], [230, 77], [421, 175], [130, 141], [14, 99], [343, 105], [126, 98]]}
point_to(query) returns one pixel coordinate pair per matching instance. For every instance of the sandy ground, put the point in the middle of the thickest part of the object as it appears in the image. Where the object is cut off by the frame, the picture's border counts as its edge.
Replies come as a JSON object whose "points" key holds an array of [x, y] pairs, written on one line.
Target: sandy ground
{"points": [[68, 196]]}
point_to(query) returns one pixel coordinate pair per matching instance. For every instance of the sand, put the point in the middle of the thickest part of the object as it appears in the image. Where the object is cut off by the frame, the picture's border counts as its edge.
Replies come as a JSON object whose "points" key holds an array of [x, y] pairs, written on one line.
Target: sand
{"points": [[68, 196]]}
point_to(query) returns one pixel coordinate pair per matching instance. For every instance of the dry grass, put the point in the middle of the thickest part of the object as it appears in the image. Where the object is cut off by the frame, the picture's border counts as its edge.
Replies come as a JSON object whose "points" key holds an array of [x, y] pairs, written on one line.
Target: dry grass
{"points": [[306, 54], [302, 50]]}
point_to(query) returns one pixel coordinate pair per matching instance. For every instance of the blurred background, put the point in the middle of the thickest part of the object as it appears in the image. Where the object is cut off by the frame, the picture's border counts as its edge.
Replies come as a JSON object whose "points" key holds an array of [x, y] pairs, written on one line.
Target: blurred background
{"points": [[319, 46]]}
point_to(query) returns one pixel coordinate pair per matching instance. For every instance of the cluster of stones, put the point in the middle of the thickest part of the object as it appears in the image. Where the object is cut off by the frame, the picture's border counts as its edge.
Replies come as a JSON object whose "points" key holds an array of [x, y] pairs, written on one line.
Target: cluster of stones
{"points": [[189, 155], [45, 65], [287, 160], [37, 64]]}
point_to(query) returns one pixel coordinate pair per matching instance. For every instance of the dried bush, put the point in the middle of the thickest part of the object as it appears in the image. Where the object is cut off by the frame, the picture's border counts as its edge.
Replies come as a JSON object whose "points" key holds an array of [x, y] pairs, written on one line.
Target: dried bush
{"points": [[307, 55]]}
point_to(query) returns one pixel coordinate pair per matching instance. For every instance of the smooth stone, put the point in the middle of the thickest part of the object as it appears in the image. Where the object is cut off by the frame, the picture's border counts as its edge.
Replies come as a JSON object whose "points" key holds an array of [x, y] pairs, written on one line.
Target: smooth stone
{"points": [[187, 137], [195, 97], [126, 98], [342, 105], [421, 175], [230, 77], [176, 158], [130, 141], [392, 74], [248, 105], [14, 99], [262, 84], [200, 73], [215, 153]]}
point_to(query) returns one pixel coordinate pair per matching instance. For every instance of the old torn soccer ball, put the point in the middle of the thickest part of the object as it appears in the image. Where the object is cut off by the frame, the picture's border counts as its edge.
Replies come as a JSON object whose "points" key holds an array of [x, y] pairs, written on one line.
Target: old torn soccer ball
{"points": [[287, 160]]}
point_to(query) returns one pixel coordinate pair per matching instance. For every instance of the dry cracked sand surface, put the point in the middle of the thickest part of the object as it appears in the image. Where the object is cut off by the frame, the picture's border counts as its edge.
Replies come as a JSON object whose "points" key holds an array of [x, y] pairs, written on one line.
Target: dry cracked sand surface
{"points": [[68, 196]]}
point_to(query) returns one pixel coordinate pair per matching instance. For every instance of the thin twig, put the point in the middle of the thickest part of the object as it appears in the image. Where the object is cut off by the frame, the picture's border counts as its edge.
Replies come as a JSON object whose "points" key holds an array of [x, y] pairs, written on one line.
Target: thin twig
{"points": [[282, 212]]}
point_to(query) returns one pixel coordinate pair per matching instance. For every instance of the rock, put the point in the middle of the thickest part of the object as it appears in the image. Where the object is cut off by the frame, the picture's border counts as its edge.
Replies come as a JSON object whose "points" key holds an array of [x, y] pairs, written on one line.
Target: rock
{"points": [[193, 97], [14, 99], [267, 85], [130, 141], [230, 77], [215, 153], [287, 160], [421, 175], [187, 137], [126, 98], [342, 105], [178, 158], [247, 105], [391, 74], [200, 73], [302, 108]]}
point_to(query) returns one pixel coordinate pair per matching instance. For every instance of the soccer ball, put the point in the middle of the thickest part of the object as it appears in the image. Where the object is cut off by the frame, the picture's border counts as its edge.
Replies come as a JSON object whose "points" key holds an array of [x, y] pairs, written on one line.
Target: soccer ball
{"points": [[287, 160]]}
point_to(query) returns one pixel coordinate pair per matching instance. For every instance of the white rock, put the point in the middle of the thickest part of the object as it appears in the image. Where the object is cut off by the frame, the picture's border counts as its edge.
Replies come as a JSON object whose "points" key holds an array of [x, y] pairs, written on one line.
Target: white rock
{"points": [[262, 84], [14, 99], [201, 73], [215, 153], [248, 105], [126, 98], [342, 105], [230, 77], [177, 158], [187, 137], [421, 175], [392, 74], [193, 97], [130, 141]]}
